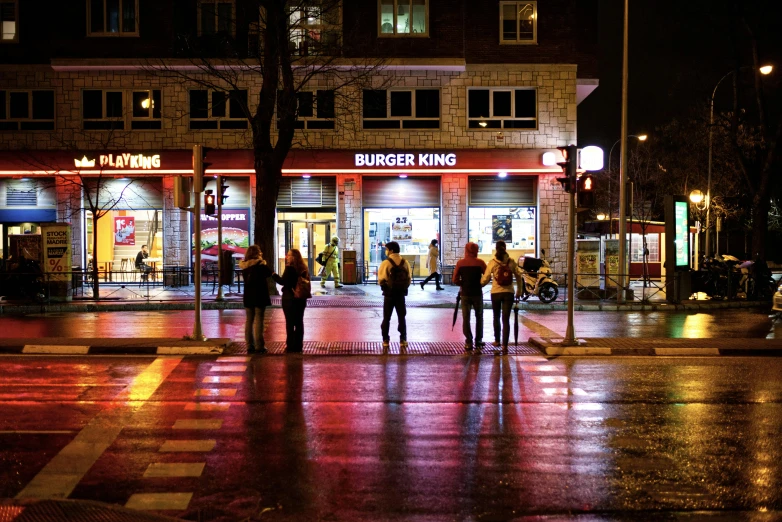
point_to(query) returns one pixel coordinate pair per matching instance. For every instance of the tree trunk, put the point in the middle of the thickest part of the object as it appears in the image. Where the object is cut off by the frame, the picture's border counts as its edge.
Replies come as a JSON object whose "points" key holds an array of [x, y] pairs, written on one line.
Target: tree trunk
{"points": [[760, 208], [95, 283]]}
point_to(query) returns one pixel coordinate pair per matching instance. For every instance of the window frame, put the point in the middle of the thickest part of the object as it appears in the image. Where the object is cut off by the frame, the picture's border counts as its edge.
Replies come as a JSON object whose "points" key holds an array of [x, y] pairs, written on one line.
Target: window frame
{"points": [[128, 119], [199, 15], [518, 41], [306, 121], [380, 34], [217, 119], [502, 119], [7, 120], [322, 28], [15, 39], [413, 109], [120, 33]]}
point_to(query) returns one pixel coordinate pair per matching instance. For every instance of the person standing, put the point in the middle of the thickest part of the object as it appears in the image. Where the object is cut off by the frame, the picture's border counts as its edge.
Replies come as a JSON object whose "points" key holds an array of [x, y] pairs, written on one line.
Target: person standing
{"points": [[141, 264], [331, 256], [255, 272], [501, 271], [467, 274], [393, 276], [433, 263], [292, 306]]}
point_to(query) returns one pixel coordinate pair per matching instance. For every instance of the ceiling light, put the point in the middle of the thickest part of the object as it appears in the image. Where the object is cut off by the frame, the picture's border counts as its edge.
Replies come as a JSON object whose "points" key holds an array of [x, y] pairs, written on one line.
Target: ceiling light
{"points": [[502, 175], [403, 176], [306, 176]]}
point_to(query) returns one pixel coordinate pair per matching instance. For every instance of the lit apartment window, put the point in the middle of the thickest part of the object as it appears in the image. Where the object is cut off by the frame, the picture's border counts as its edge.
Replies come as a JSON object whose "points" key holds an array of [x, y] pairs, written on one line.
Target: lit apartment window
{"points": [[315, 109], [403, 18], [518, 22], [315, 27], [26, 110], [112, 17], [215, 17], [107, 110], [218, 110], [9, 20], [401, 109], [502, 108]]}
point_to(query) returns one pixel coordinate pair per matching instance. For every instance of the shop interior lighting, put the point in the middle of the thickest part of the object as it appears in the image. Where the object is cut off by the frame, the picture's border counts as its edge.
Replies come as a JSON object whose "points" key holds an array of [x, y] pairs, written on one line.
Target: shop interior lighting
{"points": [[306, 176], [502, 175], [403, 176]]}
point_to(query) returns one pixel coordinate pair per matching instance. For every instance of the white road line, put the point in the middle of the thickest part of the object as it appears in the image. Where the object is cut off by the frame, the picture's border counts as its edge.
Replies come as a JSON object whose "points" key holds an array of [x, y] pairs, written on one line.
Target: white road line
{"points": [[215, 392], [207, 406], [198, 424], [228, 368], [223, 379], [189, 350], [47, 348], [174, 469], [233, 359], [176, 446], [159, 501]]}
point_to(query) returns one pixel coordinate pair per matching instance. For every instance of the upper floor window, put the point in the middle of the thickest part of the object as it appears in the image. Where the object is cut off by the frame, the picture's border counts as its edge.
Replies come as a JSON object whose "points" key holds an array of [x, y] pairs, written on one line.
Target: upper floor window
{"points": [[314, 110], [218, 110], [216, 16], [401, 109], [108, 110], [518, 22], [314, 27], [403, 17], [112, 17], [26, 110], [502, 108], [9, 20]]}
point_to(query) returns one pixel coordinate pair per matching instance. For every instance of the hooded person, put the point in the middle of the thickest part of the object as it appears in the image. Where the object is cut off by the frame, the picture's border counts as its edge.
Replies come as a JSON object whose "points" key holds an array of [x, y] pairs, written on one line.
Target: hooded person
{"points": [[255, 272], [331, 256], [467, 274], [501, 270]]}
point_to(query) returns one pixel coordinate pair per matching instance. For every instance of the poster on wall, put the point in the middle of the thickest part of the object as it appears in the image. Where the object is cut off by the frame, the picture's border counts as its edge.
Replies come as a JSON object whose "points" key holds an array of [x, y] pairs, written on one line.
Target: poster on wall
{"points": [[402, 229], [501, 228], [57, 251], [236, 234], [124, 230]]}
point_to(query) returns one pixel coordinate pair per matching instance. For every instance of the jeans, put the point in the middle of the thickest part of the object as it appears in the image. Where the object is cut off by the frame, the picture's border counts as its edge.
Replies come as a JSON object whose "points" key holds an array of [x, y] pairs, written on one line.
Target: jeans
{"points": [[435, 275], [502, 301], [293, 309], [253, 328], [390, 303], [470, 303]]}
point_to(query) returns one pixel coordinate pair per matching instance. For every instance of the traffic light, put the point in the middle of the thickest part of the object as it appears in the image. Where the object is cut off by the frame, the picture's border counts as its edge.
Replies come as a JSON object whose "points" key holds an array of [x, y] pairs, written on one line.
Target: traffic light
{"points": [[222, 189], [199, 167], [569, 168], [586, 191], [181, 192], [209, 203]]}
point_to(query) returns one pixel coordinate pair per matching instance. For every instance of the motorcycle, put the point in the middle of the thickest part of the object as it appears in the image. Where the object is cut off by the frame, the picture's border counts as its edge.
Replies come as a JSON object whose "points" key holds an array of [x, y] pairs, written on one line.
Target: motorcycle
{"points": [[537, 278]]}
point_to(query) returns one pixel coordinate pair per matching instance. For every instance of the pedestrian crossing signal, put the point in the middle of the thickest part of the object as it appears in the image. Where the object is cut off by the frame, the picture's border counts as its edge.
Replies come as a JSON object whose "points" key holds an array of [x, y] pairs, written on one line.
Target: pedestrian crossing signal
{"points": [[209, 204], [586, 193]]}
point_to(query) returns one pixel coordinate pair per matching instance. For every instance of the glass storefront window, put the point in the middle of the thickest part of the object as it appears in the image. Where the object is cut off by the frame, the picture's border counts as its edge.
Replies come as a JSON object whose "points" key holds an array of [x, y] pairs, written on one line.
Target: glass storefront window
{"points": [[514, 225], [121, 234], [412, 228]]}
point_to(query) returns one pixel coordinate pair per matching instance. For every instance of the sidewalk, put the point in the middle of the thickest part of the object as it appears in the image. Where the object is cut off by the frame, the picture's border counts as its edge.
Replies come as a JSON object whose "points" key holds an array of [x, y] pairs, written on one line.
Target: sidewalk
{"points": [[12, 510]]}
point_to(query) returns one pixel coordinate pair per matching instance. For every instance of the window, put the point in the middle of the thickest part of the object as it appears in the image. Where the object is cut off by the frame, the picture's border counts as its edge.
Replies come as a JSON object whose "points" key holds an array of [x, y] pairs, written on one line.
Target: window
{"points": [[112, 17], [315, 109], [26, 110], [215, 17], [518, 22], [502, 108], [107, 110], [401, 109], [314, 28], [211, 110], [9, 20], [403, 18], [637, 248]]}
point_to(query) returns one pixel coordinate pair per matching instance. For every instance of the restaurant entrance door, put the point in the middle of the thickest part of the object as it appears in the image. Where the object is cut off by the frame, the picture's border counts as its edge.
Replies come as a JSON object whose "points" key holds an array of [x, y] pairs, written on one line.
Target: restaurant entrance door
{"points": [[310, 238]]}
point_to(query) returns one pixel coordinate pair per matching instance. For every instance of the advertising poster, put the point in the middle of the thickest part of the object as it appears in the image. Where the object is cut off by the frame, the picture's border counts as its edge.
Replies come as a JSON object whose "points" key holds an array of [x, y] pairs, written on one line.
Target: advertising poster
{"points": [[57, 251], [682, 238], [402, 229], [588, 263], [501, 228], [124, 230], [236, 234], [612, 263]]}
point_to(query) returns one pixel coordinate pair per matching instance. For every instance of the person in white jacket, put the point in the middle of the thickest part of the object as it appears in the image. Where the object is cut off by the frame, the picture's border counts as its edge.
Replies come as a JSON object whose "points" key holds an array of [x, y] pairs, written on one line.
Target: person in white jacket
{"points": [[393, 276], [501, 270], [433, 263]]}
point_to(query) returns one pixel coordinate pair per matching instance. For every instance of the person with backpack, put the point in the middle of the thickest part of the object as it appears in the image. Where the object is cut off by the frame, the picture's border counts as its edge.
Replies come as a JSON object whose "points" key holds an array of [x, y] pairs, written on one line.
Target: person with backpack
{"points": [[501, 270], [255, 272], [393, 276], [467, 274], [433, 263], [331, 263], [295, 281]]}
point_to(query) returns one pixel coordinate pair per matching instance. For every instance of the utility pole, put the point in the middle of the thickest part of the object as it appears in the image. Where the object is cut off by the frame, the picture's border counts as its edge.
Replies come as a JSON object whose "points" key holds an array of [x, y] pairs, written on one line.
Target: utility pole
{"points": [[219, 240]]}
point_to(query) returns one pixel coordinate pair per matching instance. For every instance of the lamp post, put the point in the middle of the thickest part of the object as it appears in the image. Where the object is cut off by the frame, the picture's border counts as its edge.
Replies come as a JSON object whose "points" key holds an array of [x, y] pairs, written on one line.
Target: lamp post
{"points": [[640, 137], [765, 69], [697, 197]]}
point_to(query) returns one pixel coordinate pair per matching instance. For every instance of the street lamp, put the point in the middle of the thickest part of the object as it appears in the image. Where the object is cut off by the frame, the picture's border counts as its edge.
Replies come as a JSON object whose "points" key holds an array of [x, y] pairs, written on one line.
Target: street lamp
{"points": [[640, 137], [765, 69]]}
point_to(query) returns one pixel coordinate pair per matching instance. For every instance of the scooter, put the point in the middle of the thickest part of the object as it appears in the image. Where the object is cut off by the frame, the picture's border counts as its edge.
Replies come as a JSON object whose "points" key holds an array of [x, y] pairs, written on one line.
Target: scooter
{"points": [[536, 273]]}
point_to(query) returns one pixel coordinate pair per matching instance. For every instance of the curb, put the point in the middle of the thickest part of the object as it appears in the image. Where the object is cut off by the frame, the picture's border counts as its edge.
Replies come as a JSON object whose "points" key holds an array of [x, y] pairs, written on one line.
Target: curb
{"points": [[598, 347], [118, 347]]}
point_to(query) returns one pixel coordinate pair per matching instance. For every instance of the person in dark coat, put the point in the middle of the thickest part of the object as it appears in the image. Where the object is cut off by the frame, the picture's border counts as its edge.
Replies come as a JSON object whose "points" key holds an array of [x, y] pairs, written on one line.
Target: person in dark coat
{"points": [[256, 297], [293, 307], [467, 274]]}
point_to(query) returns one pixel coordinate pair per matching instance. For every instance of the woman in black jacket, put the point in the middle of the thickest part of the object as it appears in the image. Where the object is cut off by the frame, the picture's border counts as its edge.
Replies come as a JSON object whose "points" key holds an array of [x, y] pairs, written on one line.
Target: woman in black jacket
{"points": [[256, 297], [292, 306]]}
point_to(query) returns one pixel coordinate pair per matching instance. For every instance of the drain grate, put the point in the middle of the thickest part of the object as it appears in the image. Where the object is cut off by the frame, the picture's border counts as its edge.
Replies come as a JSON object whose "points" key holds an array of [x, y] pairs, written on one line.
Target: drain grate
{"points": [[376, 348]]}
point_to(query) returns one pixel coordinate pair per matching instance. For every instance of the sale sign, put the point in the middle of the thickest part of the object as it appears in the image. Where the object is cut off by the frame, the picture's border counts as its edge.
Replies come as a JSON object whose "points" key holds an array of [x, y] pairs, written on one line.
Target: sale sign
{"points": [[124, 230], [57, 251]]}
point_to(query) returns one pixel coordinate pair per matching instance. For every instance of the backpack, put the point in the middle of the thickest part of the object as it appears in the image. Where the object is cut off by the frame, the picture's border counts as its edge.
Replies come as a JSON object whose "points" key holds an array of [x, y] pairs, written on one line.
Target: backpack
{"points": [[399, 277], [504, 275], [303, 289]]}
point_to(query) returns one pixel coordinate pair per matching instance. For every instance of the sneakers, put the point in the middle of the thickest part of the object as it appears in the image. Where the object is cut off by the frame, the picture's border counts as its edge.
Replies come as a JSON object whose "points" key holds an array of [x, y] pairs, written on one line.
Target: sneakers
{"points": [[403, 344], [479, 344], [422, 285], [386, 345], [440, 288], [338, 286], [468, 347], [495, 343]]}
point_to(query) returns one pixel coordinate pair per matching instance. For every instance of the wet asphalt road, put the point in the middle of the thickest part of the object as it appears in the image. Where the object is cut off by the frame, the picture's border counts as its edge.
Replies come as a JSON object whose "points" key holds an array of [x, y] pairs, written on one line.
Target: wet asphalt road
{"points": [[403, 438]]}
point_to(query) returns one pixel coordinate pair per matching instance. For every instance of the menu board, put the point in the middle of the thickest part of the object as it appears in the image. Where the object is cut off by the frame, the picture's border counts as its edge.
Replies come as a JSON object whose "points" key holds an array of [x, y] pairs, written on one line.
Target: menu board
{"points": [[236, 234], [502, 228], [402, 229]]}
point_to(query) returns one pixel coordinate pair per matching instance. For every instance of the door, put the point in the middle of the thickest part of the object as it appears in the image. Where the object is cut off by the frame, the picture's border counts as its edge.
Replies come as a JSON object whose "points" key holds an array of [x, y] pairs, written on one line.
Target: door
{"points": [[310, 238]]}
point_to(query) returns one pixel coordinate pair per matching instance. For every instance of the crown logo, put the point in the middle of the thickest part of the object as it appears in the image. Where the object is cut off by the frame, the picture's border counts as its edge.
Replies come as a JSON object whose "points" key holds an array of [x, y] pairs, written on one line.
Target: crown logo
{"points": [[84, 162]]}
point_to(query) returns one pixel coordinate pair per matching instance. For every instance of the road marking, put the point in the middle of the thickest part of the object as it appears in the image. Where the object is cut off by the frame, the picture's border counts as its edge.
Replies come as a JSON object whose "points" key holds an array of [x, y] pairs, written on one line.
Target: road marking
{"points": [[548, 379], [556, 391], [78, 385], [207, 406], [62, 474], [587, 406], [36, 432], [171, 446], [530, 358], [228, 368], [687, 351], [539, 329], [198, 424], [174, 469], [215, 392], [233, 359], [159, 501], [188, 350], [223, 379], [541, 368], [47, 348]]}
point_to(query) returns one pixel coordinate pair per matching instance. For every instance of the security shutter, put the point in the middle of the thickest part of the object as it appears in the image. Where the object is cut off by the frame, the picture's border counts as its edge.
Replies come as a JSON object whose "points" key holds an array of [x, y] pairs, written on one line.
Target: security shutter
{"points": [[311, 192], [400, 193], [510, 191], [21, 194]]}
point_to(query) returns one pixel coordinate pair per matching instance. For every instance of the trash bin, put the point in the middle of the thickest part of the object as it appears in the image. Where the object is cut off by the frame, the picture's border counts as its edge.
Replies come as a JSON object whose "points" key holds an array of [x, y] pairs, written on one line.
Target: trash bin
{"points": [[349, 267], [77, 277], [227, 268]]}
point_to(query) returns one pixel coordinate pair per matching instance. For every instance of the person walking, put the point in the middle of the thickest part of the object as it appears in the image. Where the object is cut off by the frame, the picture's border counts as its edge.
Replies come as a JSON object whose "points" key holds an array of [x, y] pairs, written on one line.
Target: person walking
{"points": [[255, 272], [293, 306], [433, 263], [467, 274], [501, 271], [331, 256], [393, 276]]}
